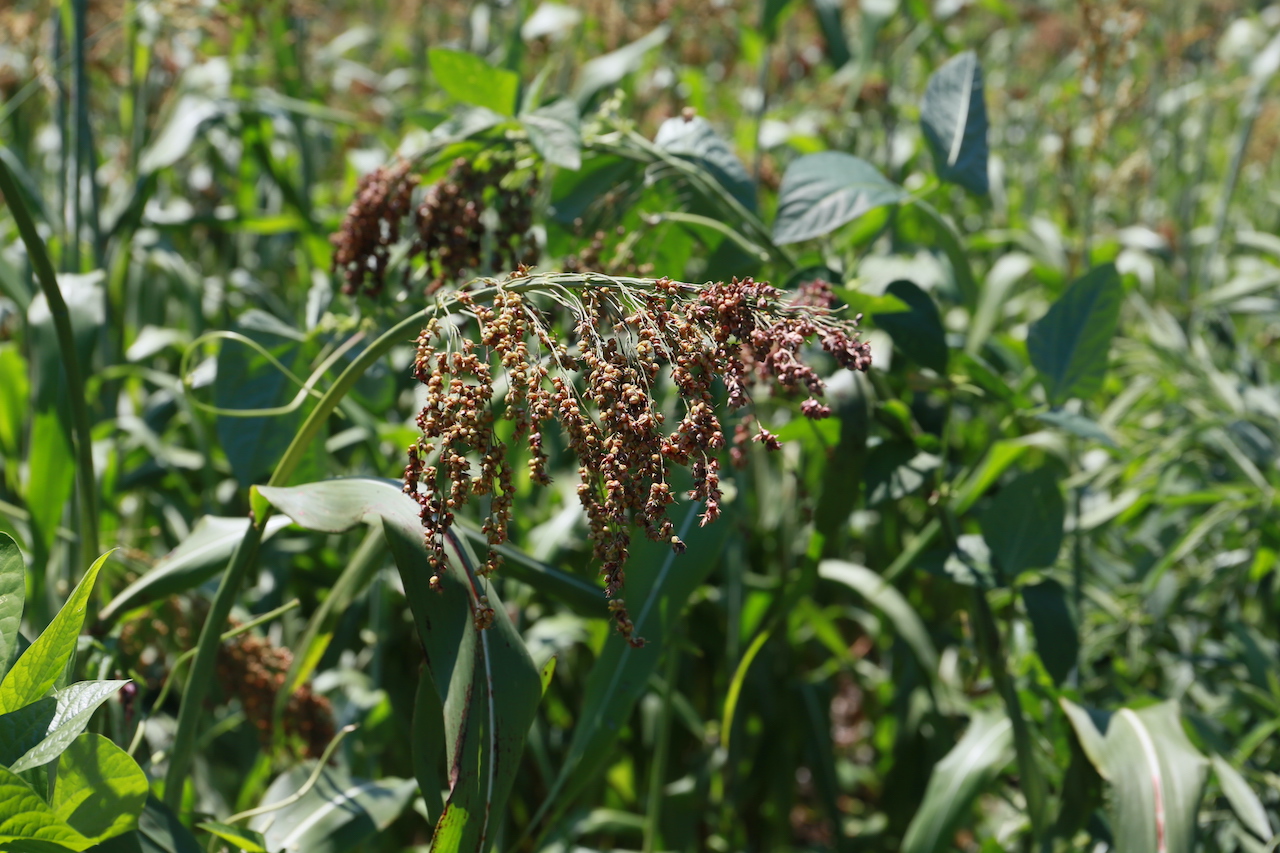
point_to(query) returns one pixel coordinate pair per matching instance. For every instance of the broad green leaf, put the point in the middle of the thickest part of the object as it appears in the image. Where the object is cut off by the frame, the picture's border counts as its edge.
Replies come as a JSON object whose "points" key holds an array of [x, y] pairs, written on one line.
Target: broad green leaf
{"points": [[426, 744], [338, 814], [13, 592], [820, 192], [920, 223], [75, 705], [248, 840], [100, 790], [41, 664], [15, 394], [1023, 523], [197, 558], [247, 380], [831, 19], [468, 78], [555, 133], [888, 600], [1069, 344], [1056, 634], [22, 729], [968, 564], [25, 817], [84, 295], [1000, 456], [696, 140], [609, 69], [1244, 802], [1156, 777], [51, 480], [957, 780], [918, 331], [953, 116], [896, 469], [160, 831]]}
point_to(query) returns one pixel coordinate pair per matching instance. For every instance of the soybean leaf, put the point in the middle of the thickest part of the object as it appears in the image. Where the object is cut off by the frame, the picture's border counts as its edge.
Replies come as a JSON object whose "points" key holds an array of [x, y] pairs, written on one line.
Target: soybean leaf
{"points": [[248, 840], [607, 70], [22, 729], [160, 831], [831, 20], [696, 140], [896, 469], [100, 790], [1157, 778], [40, 665], [13, 592], [1244, 802], [1056, 635], [953, 116], [820, 192], [1069, 344], [27, 821], [1023, 524], [75, 705], [957, 780], [918, 331], [968, 564], [199, 557], [181, 130], [338, 813], [468, 78], [554, 132], [887, 599]]}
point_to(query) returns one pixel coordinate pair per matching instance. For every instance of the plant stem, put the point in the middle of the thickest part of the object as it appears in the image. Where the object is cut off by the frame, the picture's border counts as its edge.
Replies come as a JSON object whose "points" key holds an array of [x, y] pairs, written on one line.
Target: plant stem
{"points": [[43, 267], [662, 745]]}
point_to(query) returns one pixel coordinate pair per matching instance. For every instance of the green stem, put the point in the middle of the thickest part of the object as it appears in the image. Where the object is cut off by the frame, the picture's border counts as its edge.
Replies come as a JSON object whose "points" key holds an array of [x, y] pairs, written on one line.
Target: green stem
{"points": [[658, 772], [43, 267]]}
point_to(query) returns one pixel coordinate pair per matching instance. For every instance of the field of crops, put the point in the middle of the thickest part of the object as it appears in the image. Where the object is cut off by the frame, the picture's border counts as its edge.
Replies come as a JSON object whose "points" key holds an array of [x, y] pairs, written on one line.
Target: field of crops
{"points": [[550, 427]]}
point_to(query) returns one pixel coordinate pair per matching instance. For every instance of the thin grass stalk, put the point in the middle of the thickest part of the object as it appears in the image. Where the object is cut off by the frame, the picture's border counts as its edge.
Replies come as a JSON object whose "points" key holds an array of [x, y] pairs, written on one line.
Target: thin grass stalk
{"points": [[43, 266], [662, 746]]}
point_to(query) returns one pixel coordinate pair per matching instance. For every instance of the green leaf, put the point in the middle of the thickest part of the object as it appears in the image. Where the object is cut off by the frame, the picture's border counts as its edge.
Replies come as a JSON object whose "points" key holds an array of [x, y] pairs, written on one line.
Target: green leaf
{"points": [[248, 380], [1244, 802], [846, 463], [24, 817], [918, 331], [247, 840], [820, 192], [52, 475], [957, 780], [896, 469], [1089, 726], [968, 564], [1056, 634], [100, 790], [22, 729], [1157, 779], [831, 19], [921, 224], [999, 457], [694, 139], [468, 78], [554, 133], [15, 393], [888, 600], [426, 744], [160, 831], [337, 814], [1023, 524], [609, 69], [13, 592], [180, 132], [1077, 424], [40, 665], [75, 705], [1069, 344], [199, 557], [953, 116]]}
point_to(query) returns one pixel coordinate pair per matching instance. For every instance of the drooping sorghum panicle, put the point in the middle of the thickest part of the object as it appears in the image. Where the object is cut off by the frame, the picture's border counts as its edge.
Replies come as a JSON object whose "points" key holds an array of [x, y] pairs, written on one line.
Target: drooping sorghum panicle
{"points": [[362, 246], [598, 385], [452, 234]]}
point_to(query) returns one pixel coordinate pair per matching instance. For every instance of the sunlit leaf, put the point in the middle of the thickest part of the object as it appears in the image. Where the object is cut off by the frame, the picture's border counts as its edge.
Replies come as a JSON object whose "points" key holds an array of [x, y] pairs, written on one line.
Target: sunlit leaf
{"points": [[100, 790], [953, 115], [820, 192], [468, 78]]}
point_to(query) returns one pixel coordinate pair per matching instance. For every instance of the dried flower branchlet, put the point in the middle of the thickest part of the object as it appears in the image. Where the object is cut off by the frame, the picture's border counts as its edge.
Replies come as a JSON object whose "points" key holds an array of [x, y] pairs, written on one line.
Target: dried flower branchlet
{"points": [[599, 387]]}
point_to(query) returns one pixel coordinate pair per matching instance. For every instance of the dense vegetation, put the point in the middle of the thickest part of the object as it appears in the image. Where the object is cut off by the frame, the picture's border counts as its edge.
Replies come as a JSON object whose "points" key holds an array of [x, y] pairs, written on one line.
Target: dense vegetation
{"points": [[400, 447]]}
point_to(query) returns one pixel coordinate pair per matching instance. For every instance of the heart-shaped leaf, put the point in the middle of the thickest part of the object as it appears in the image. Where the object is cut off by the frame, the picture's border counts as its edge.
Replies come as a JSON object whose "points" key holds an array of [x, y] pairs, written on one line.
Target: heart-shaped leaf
{"points": [[1023, 524]]}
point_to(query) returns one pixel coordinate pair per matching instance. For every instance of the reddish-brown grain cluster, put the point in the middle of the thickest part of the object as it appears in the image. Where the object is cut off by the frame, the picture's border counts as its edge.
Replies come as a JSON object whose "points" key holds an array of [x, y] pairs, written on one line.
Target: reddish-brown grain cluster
{"points": [[254, 670], [628, 337], [362, 246]]}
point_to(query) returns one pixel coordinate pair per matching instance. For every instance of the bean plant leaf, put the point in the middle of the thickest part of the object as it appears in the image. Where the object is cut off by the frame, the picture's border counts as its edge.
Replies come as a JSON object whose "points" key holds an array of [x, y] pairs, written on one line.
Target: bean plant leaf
{"points": [[953, 116], [469, 79], [820, 192], [22, 729], [918, 331], [696, 140], [197, 558], [554, 132], [100, 790], [74, 706], [609, 69], [1057, 637], [957, 780], [13, 592], [337, 814], [1244, 802], [40, 665], [28, 823], [1069, 344], [1023, 524]]}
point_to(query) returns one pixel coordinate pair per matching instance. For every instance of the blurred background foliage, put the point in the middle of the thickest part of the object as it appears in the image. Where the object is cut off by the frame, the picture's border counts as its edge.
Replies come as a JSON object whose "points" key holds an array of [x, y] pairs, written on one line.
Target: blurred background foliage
{"points": [[1018, 593]]}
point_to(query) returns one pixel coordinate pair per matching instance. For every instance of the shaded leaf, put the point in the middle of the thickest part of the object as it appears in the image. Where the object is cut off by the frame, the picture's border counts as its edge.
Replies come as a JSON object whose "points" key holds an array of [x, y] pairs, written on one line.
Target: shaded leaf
{"points": [[1077, 424], [918, 331], [1244, 802], [831, 20], [100, 790], [22, 729], [1023, 524], [554, 133], [1057, 637], [52, 475], [820, 192], [953, 116], [895, 470], [75, 705], [337, 814], [695, 139], [468, 78], [1069, 344], [25, 817]]}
